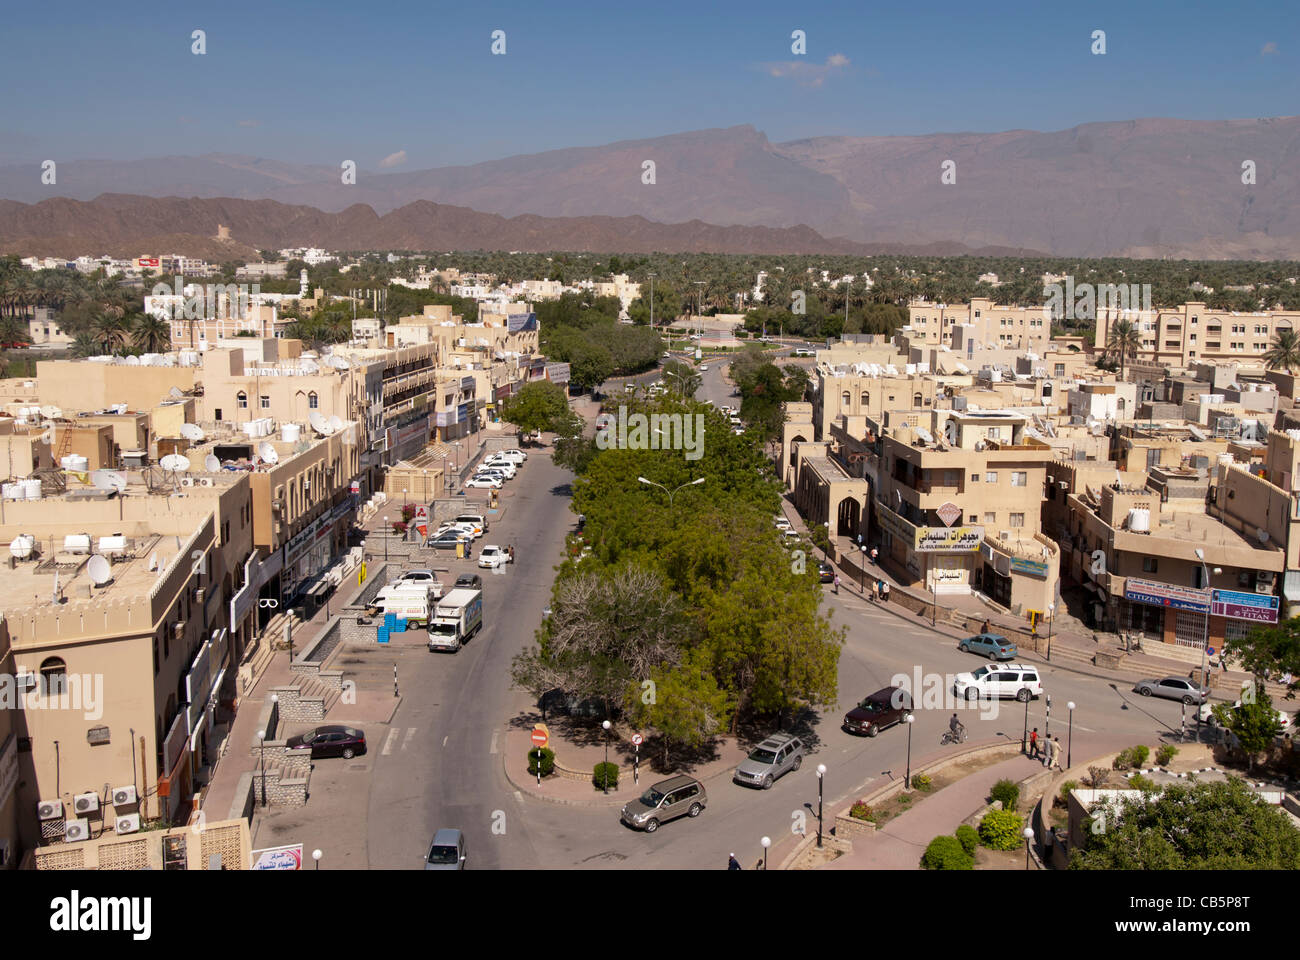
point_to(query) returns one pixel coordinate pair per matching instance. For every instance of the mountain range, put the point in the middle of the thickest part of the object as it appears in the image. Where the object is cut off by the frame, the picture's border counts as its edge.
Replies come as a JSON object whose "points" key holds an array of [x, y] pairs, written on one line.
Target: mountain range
{"points": [[1149, 187]]}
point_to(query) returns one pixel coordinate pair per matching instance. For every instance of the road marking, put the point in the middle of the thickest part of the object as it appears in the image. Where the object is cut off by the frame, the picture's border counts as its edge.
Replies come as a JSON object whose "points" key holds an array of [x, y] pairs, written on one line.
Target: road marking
{"points": [[494, 743], [444, 740], [388, 743], [410, 732], [519, 796]]}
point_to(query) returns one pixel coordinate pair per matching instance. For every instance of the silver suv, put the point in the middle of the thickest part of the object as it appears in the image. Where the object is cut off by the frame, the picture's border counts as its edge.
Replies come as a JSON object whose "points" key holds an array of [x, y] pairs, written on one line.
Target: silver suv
{"points": [[666, 800], [778, 754]]}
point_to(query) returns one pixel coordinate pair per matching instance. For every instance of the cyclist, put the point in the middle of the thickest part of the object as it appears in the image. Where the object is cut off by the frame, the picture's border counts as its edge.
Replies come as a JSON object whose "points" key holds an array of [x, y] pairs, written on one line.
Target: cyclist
{"points": [[955, 727]]}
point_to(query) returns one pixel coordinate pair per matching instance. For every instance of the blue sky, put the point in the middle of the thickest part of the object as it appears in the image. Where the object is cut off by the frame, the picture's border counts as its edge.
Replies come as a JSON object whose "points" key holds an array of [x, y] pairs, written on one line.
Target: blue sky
{"points": [[302, 81]]}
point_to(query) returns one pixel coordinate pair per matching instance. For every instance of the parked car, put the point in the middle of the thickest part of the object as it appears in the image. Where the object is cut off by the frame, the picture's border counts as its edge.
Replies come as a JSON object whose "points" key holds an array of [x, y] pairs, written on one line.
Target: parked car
{"points": [[505, 467], [501, 473], [460, 529], [790, 535], [446, 852], [995, 681], [448, 541], [882, 709], [704, 368], [825, 572], [418, 575], [331, 740], [1173, 688], [804, 352], [475, 519], [777, 755], [1206, 713], [782, 523], [992, 645], [493, 557], [491, 483], [667, 800], [469, 581]]}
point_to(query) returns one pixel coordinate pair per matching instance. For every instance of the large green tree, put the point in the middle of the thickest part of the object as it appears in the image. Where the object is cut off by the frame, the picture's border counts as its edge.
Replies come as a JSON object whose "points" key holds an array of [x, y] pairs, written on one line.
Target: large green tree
{"points": [[538, 407]]}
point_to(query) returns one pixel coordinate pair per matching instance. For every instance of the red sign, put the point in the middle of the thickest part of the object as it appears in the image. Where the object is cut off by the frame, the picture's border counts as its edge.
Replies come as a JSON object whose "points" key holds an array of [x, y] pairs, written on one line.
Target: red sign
{"points": [[148, 261], [540, 738], [637, 739]]}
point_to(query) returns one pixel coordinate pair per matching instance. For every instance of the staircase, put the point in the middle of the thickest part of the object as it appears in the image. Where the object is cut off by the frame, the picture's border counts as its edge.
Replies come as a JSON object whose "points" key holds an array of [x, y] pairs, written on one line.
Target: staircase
{"points": [[310, 698]]}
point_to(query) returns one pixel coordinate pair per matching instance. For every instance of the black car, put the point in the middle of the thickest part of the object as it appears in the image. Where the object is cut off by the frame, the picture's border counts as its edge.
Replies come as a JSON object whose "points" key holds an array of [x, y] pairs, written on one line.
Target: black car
{"points": [[826, 572], [882, 709], [332, 740], [470, 580]]}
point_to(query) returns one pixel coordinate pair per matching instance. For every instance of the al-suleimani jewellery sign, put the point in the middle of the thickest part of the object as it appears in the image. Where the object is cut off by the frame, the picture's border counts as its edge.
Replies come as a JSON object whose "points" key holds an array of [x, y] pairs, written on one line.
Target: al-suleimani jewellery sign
{"points": [[931, 539]]}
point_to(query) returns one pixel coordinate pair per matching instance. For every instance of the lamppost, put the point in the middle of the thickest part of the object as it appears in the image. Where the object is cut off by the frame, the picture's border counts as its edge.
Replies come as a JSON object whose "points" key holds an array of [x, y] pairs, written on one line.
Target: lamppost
{"points": [[1069, 738], [1205, 643], [1051, 620], [604, 771], [1047, 726], [1024, 741], [821, 780], [863, 548], [316, 855], [385, 538], [672, 491], [909, 719], [1029, 835], [765, 843], [261, 736]]}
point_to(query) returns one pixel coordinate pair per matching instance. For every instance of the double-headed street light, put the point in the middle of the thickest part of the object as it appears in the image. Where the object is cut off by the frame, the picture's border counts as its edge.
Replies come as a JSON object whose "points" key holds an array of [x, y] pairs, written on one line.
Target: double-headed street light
{"points": [[1205, 644], [670, 493]]}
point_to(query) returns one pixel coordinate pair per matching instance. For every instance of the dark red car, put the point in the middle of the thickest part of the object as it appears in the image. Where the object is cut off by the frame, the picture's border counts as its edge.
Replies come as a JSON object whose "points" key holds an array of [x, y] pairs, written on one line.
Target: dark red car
{"points": [[882, 709], [332, 740]]}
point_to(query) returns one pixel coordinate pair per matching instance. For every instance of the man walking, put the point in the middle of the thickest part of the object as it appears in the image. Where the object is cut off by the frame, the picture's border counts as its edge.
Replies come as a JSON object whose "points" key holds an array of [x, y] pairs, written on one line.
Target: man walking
{"points": [[512, 553], [884, 590], [837, 584], [874, 554], [875, 590], [1033, 745], [732, 862], [1054, 749]]}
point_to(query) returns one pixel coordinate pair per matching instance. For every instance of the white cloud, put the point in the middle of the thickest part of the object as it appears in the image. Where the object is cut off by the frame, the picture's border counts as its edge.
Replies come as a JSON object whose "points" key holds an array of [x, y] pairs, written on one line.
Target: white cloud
{"points": [[1269, 49], [394, 159], [804, 73]]}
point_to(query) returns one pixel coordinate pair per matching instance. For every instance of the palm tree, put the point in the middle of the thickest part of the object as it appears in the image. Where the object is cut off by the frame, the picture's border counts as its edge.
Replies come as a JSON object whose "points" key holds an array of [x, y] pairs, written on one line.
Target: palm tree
{"points": [[151, 334], [1123, 338], [13, 332], [110, 331], [1284, 351], [85, 345]]}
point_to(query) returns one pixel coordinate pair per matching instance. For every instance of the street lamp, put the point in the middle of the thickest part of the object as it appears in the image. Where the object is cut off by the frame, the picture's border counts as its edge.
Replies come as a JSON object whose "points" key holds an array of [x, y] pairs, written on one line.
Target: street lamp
{"points": [[1205, 644], [604, 771], [1051, 620], [1069, 739], [909, 719], [316, 855], [821, 780], [1024, 741], [672, 491], [765, 843], [261, 736], [385, 538], [1029, 835]]}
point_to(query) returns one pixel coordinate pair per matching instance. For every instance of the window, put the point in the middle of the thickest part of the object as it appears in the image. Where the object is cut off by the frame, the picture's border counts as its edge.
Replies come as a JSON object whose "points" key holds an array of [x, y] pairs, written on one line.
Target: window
{"points": [[1060, 370], [217, 413], [974, 518], [241, 400], [995, 433], [991, 477], [313, 401], [974, 478], [1149, 564], [1019, 478], [845, 398], [1017, 519], [266, 402], [866, 399], [916, 400], [990, 518], [54, 677]]}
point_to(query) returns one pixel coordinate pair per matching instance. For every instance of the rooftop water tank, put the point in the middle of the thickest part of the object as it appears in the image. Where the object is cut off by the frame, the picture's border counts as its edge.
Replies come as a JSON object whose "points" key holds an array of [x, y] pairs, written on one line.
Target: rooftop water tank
{"points": [[1139, 521]]}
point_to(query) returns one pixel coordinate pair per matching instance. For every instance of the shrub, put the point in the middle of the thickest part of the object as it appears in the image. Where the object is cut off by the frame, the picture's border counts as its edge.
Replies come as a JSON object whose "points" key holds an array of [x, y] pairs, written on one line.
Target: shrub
{"points": [[547, 756], [1007, 792], [1063, 798], [922, 782], [946, 853], [1165, 754], [604, 772], [1123, 760], [1000, 830], [904, 798], [968, 838], [860, 811], [1145, 784], [1140, 756], [1098, 777]]}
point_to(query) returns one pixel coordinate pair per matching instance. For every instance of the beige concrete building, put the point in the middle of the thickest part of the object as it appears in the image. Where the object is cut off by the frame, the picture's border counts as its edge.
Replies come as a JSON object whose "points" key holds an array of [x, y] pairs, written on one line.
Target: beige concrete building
{"points": [[1191, 333], [980, 322]]}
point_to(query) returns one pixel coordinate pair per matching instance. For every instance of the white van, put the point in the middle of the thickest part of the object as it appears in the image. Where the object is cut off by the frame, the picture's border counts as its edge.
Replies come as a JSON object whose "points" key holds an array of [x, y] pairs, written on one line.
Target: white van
{"points": [[996, 681]]}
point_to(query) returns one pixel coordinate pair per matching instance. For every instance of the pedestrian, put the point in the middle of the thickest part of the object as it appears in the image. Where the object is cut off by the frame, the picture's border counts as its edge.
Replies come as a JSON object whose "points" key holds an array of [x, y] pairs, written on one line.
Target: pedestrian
{"points": [[512, 553], [1055, 753], [884, 589], [837, 584], [875, 590], [732, 862], [859, 540], [1033, 744], [874, 554], [987, 626]]}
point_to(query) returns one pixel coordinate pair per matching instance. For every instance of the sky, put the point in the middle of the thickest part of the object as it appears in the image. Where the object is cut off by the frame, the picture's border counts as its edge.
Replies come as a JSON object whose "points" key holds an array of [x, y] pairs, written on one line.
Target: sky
{"points": [[406, 86]]}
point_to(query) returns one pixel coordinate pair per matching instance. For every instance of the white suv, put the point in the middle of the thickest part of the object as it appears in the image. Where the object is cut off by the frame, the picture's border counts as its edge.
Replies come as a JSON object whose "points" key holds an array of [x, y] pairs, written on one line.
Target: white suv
{"points": [[996, 681]]}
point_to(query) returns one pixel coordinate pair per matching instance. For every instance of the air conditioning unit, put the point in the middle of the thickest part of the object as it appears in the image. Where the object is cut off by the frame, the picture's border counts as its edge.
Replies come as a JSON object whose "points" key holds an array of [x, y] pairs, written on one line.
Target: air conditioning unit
{"points": [[198, 595], [124, 796], [1264, 577], [1004, 534], [205, 481], [85, 803], [178, 630], [49, 810], [76, 830], [187, 481], [130, 823]]}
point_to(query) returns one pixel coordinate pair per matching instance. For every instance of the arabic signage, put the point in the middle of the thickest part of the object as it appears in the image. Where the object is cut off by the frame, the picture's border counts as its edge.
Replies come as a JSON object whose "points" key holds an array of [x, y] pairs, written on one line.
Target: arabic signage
{"points": [[948, 539], [1035, 568], [278, 858], [1235, 605], [1159, 594], [557, 372]]}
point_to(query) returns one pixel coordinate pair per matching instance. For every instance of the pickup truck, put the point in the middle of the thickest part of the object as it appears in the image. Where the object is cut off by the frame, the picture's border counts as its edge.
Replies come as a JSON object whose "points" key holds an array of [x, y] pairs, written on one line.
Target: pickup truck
{"points": [[456, 618]]}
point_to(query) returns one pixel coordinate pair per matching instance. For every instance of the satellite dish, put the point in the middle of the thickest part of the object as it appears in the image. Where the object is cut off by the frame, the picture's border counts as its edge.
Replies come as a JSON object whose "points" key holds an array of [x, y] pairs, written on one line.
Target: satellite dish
{"points": [[22, 546], [108, 480], [318, 423], [176, 393], [335, 424], [51, 412], [1262, 534], [100, 570], [267, 453], [131, 360], [211, 463], [192, 431], [174, 463]]}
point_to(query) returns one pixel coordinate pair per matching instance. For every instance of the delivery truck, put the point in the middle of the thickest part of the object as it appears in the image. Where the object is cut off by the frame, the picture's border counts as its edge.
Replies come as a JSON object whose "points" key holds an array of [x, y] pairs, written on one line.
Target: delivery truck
{"points": [[456, 618], [411, 600]]}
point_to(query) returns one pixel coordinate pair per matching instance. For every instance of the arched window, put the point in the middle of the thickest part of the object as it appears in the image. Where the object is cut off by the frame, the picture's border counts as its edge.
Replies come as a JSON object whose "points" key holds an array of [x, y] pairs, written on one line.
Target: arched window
{"points": [[847, 398], [313, 401], [241, 399], [54, 677], [866, 399], [916, 400]]}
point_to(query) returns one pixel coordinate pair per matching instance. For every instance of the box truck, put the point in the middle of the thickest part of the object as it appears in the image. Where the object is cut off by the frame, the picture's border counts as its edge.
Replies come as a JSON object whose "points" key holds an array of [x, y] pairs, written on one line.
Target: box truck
{"points": [[410, 600], [456, 618]]}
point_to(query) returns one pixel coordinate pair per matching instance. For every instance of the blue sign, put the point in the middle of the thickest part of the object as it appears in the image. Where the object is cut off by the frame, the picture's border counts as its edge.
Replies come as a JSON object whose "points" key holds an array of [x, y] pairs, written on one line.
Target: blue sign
{"points": [[1236, 605]]}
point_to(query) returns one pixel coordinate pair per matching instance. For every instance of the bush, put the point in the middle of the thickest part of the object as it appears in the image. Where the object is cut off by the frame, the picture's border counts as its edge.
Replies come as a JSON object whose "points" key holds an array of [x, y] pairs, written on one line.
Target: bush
{"points": [[1140, 756], [1165, 754], [547, 756], [1000, 830], [922, 782], [946, 853], [1063, 798], [1145, 784], [1123, 760], [1007, 792], [603, 773], [860, 811], [968, 838]]}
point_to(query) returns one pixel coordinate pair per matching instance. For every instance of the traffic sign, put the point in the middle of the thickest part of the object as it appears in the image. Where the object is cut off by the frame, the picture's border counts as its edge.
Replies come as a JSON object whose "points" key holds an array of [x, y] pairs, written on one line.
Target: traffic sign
{"points": [[637, 739], [540, 739], [1209, 651]]}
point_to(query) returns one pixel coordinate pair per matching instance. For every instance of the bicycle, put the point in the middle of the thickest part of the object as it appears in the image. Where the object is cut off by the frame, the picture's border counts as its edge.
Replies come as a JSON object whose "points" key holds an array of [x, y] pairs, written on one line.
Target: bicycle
{"points": [[950, 737]]}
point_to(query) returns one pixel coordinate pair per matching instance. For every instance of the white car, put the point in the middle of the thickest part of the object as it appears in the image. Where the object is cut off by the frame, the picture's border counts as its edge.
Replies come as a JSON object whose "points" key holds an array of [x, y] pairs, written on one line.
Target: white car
{"points": [[995, 681], [504, 466], [466, 529], [493, 557], [493, 471], [1206, 712], [704, 368], [490, 483], [782, 523]]}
